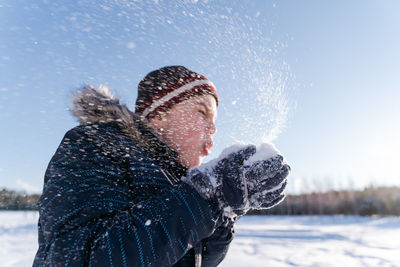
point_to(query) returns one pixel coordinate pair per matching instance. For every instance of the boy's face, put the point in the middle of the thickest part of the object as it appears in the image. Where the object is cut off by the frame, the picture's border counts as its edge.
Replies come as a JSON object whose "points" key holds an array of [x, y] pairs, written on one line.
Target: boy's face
{"points": [[188, 128]]}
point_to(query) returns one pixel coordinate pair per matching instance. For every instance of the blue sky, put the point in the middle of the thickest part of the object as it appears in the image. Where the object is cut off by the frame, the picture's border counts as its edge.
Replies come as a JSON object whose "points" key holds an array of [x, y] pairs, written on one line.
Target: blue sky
{"points": [[320, 78]]}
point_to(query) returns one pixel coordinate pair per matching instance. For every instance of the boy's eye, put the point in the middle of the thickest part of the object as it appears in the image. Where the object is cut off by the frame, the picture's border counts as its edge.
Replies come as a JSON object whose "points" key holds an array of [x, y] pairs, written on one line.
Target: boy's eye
{"points": [[202, 112]]}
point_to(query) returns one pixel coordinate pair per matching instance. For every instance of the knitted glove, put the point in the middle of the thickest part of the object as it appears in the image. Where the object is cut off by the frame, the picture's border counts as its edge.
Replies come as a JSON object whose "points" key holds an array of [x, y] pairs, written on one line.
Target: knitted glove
{"points": [[241, 179]]}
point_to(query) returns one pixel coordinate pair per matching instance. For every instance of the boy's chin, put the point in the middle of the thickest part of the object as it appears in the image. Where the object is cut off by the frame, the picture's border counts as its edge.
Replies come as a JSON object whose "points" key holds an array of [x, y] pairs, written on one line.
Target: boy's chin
{"points": [[192, 162]]}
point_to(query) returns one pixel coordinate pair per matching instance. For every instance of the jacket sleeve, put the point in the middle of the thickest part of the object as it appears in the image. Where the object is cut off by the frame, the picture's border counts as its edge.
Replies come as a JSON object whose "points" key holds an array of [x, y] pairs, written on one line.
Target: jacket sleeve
{"points": [[90, 215]]}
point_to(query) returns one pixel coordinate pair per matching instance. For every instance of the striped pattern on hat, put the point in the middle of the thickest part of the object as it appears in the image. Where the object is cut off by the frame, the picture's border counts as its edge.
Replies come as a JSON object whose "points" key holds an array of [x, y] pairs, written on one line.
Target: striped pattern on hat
{"points": [[165, 87]]}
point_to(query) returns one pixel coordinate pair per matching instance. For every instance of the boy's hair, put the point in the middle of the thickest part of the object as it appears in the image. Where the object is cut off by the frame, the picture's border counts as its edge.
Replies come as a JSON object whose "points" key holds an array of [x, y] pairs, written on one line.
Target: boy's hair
{"points": [[165, 87]]}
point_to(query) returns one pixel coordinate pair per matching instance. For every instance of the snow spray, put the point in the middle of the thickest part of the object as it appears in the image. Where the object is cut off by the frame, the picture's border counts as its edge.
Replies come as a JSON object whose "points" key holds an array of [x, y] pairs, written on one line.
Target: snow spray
{"points": [[235, 46]]}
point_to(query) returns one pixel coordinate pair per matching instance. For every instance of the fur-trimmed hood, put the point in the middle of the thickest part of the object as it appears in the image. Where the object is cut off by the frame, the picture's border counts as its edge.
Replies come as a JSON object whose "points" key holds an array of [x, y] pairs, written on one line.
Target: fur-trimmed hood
{"points": [[99, 106], [91, 106]]}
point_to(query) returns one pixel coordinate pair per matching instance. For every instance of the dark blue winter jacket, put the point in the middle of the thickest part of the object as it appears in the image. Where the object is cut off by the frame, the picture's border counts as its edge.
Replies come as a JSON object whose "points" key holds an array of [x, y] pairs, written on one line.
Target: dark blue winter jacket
{"points": [[112, 196]]}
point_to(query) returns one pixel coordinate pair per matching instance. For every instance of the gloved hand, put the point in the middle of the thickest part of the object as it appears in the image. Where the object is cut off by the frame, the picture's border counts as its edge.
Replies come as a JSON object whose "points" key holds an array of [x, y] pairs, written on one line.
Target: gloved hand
{"points": [[241, 179]]}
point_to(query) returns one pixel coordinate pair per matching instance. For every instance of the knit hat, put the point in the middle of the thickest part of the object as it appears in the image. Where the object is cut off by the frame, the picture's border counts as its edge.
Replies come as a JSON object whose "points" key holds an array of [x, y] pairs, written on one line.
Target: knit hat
{"points": [[165, 87]]}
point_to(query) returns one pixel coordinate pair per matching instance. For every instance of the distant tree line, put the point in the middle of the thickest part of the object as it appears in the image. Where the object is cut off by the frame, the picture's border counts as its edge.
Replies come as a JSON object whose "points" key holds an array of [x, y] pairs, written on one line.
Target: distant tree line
{"points": [[367, 202], [14, 200]]}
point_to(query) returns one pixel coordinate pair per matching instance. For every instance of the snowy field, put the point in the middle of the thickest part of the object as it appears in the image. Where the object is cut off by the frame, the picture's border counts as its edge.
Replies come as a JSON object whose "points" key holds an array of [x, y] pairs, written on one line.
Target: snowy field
{"points": [[260, 241]]}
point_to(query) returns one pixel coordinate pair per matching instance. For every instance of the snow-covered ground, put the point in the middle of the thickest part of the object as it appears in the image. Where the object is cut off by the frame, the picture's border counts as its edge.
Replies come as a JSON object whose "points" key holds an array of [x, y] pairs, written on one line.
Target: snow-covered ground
{"points": [[18, 238], [260, 241], [315, 241]]}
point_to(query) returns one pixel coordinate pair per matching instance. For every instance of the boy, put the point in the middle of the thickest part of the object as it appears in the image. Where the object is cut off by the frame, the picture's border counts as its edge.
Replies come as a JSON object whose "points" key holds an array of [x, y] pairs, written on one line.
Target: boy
{"points": [[125, 189]]}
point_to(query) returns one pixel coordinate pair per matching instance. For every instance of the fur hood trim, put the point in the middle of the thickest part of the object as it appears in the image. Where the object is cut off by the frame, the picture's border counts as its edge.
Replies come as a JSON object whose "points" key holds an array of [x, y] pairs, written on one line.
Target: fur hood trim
{"points": [[93, 106]]}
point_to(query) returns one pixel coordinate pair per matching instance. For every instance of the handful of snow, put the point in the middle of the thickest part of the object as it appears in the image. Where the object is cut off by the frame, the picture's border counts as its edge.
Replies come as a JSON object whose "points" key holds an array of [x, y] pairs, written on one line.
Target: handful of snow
{"points": [[263, 151]]}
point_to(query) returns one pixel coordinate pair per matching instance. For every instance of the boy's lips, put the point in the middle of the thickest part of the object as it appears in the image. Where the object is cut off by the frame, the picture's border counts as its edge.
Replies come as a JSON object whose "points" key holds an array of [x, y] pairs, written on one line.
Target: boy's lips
{"points": [[207, 147]]}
